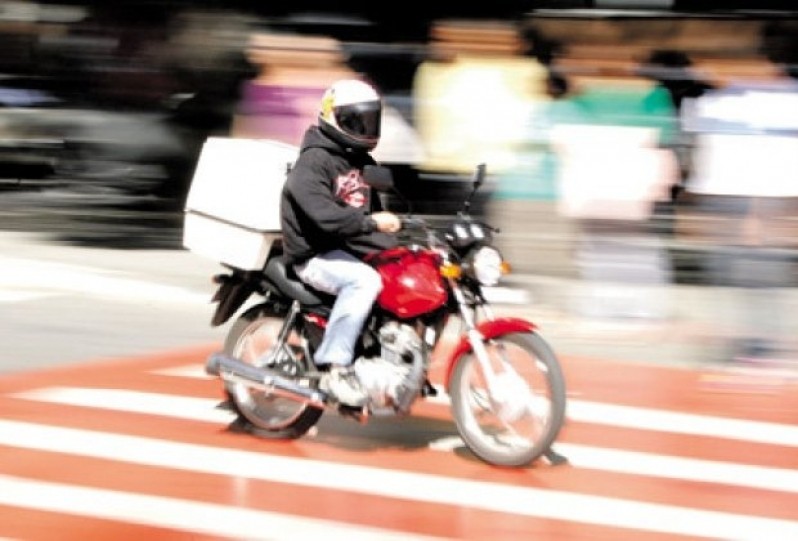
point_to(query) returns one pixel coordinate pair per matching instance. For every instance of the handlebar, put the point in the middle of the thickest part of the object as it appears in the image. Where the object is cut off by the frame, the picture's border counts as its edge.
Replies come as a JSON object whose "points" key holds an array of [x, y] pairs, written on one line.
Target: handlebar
{"points": [[410, 222]]}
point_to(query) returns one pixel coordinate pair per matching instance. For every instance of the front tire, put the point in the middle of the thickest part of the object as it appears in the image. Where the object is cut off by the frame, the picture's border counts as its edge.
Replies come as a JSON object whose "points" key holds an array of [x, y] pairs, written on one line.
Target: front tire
{"points": [[520, 422], [250, 339]]}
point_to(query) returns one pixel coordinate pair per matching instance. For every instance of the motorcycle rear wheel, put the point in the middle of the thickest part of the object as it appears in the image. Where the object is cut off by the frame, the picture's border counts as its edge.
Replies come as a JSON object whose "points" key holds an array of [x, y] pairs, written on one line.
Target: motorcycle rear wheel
{"points": [[250, 339], [520, 424]]}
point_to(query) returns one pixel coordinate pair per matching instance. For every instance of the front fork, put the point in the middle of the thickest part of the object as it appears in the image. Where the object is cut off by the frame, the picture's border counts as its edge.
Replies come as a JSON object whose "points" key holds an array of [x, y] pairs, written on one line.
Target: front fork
{"points": [[474, 336]]}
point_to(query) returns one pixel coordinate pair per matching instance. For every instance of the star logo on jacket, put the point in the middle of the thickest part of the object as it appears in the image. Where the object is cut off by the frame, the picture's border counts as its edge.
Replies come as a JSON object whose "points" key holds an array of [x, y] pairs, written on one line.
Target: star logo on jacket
{"points": [[352, 189]]}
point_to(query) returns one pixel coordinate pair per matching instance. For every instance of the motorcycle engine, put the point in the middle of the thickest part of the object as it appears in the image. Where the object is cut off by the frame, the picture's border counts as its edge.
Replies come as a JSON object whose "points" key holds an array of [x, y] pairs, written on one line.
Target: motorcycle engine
{"points": [[393, 379]]}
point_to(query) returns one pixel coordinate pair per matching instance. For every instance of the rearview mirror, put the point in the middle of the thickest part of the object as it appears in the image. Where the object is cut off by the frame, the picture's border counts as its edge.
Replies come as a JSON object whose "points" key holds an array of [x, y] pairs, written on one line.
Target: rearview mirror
{"points": [[378, 177]]}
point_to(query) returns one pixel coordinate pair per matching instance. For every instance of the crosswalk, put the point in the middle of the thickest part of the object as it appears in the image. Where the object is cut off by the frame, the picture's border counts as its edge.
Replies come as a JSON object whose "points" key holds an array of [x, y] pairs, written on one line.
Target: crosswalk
{"points": [[135, 448]]}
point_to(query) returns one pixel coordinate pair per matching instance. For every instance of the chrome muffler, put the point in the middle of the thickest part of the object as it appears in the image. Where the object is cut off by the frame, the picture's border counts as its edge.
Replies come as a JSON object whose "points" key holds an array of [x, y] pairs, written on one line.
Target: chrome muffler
{"points": [[232, 369]]}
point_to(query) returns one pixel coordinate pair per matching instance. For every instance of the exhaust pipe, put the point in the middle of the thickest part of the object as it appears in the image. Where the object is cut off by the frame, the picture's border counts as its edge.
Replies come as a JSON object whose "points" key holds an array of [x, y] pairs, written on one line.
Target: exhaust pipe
{"points": [[232, 369]]}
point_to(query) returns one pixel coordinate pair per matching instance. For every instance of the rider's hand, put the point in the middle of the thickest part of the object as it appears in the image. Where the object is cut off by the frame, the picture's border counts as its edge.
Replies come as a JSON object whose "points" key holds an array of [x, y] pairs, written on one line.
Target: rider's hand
{"points": [[387, 222]]}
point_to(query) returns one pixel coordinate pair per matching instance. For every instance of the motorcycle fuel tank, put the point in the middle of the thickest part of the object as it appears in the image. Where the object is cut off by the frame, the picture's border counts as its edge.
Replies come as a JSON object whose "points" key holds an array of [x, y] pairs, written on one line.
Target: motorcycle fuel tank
{"points": [[412, 284]]}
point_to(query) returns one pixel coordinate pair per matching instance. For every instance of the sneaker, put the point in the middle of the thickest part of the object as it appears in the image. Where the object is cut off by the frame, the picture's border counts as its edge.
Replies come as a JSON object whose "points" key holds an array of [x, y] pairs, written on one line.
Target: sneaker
{"points": [[342, 383]]}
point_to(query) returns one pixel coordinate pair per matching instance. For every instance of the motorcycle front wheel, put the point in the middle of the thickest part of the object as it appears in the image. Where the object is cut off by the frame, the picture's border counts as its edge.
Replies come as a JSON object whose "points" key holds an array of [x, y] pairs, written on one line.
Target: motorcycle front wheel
{"points": [[517, 419], [251, 339]]}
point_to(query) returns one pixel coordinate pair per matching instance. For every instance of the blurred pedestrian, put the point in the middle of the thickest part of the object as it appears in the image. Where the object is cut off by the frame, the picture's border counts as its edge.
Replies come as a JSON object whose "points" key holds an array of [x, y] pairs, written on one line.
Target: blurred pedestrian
{"points": [[524, 199], [292, 71], [746, 156], [476, 96], [472, 95], [673, 70], [281, 100], [614, 165]]}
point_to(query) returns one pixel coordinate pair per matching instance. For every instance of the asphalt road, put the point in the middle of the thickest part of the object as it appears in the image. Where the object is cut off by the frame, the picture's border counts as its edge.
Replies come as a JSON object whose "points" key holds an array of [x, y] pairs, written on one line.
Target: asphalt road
{"points": [[61, 303]]}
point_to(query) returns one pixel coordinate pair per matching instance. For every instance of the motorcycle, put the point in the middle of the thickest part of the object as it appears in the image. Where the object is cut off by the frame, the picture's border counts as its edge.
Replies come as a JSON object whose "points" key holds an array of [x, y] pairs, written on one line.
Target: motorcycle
{"points": [[505, 383]]}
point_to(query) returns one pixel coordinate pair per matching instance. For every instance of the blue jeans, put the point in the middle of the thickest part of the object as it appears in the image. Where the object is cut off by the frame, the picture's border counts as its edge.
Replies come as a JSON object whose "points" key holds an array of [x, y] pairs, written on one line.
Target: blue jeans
{"points": [[356, 286]]}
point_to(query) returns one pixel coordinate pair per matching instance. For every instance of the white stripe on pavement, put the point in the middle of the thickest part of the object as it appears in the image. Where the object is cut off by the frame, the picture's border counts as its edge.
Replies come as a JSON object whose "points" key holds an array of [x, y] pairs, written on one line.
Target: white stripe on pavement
{"points": [[203, 518], [17, 295], [656, 420], [663, 466], [578, 410], [683, 423], [530, 502], [47, 277], [671, 467], [597, 458], [193, 371], [166, 405]]}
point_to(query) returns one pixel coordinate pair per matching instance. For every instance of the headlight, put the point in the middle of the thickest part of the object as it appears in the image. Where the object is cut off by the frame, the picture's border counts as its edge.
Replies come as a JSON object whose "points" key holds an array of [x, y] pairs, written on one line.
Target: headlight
{"points": [[487, 265]]}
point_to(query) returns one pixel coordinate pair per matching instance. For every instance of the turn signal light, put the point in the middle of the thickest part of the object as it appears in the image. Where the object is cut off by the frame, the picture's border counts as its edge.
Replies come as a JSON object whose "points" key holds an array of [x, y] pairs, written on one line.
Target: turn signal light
{"points": [[450, 270]]}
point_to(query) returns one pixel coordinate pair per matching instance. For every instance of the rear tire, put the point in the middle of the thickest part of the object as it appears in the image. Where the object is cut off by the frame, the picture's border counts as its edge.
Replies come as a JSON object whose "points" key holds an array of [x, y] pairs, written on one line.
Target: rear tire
{"points": [[517, 428], [250, 339]]}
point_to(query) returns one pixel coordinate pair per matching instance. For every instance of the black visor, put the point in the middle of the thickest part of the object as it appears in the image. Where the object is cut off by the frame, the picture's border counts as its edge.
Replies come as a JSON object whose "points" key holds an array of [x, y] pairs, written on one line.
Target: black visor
{"points": [[360, 120]]}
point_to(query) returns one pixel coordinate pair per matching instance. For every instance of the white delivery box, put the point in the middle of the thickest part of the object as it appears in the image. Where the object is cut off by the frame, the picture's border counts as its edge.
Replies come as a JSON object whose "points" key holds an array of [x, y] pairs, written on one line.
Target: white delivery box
{"points": [[232, 212]]}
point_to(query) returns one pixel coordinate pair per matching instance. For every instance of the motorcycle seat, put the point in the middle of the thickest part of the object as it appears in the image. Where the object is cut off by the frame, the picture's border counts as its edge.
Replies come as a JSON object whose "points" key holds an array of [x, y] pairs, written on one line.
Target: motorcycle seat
{"points": [[284, 279]]}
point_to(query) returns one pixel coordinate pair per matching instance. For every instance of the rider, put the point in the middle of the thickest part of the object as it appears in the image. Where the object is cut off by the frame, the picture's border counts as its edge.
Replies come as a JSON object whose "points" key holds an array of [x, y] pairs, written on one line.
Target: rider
{"points": [[331, 220]]}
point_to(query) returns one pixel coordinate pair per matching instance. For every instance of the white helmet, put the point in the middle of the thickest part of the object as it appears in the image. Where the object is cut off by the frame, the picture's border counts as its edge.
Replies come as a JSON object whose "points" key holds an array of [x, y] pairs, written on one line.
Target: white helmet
{"points": [[351, 113]]}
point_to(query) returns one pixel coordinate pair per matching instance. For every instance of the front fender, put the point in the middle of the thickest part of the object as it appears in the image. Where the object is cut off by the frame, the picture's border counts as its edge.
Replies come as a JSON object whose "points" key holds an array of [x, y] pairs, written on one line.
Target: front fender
{"points": [[488, 329]]}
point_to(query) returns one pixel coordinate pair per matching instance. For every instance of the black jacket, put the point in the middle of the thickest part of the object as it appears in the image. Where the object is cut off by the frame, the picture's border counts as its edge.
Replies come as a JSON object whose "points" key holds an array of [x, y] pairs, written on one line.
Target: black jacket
{"points": [[325, 202]]}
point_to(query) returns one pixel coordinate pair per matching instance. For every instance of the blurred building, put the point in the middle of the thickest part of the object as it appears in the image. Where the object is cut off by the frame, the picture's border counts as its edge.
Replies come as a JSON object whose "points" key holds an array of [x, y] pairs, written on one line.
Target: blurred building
{"points": [[154, 78]]}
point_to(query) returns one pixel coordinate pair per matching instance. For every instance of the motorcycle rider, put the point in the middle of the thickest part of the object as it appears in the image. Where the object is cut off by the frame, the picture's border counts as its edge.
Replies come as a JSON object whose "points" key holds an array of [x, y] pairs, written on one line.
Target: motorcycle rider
{"points": [[332, 219]]}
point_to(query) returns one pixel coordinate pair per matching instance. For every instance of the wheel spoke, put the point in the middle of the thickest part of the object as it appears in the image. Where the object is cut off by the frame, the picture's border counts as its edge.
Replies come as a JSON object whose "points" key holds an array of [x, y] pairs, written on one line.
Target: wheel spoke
{"points": [[517, 418], [256, 346]]}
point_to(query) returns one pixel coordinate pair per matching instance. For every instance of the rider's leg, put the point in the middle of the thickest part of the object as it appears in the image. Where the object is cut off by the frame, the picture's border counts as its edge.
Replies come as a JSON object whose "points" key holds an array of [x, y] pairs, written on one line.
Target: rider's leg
{"points": [[356, 286]]}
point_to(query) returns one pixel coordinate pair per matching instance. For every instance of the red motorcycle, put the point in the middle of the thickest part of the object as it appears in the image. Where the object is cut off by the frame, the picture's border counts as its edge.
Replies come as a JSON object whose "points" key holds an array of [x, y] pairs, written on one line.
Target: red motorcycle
{"points": [[505, 383]]}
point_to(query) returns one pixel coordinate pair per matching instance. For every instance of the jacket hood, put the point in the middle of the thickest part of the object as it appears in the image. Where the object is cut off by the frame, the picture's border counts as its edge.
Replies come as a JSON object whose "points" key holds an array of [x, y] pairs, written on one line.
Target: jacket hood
{"points": [[315, 138]]}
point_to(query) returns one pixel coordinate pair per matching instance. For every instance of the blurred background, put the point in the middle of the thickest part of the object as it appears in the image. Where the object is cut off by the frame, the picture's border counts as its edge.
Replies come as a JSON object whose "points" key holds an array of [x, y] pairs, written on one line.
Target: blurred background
{"points": [[631, 146]]}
